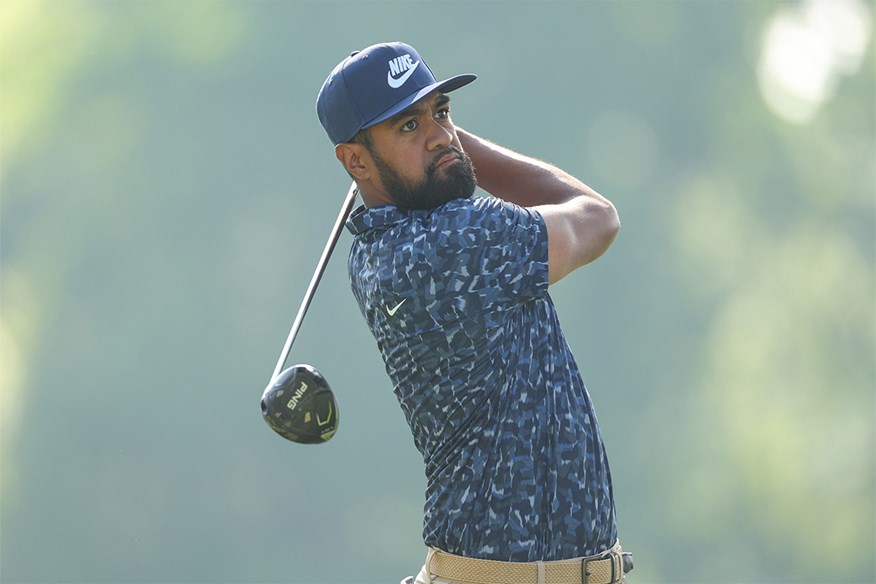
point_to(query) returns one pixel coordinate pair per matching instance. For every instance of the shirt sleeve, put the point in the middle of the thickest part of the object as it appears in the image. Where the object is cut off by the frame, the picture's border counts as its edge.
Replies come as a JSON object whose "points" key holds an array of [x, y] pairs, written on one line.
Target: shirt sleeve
{"points": [[490, 255]]}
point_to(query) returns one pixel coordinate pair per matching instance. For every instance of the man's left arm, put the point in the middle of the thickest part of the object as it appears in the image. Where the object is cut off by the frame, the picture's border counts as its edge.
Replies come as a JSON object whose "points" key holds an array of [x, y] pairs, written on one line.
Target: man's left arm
{"points": [[581, 223]]}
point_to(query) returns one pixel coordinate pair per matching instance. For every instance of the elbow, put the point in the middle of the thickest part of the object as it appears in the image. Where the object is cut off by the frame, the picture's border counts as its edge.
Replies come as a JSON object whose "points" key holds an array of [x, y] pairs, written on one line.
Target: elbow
{"points": [[602, 228], [610, 224], [612, 220]]}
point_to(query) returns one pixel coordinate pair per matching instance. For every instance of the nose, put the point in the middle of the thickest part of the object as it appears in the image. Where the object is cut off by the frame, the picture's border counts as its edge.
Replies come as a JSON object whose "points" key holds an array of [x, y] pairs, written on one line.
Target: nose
{"points": [[440, 136]]}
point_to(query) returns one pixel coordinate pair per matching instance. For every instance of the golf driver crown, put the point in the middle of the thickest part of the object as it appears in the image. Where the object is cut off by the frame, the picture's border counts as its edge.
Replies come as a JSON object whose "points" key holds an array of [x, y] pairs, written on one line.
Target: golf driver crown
{"points": [[300, 406]]}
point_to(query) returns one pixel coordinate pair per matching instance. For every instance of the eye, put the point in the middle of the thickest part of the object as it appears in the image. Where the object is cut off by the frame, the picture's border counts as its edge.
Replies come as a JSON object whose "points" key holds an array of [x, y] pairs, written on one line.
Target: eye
{"points": [[409, 126], [443, 113]]}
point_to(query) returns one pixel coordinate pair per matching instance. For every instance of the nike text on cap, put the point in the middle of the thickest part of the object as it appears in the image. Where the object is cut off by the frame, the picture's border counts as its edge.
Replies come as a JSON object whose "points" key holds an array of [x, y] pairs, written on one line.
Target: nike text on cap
{"points": [[374, 84]]}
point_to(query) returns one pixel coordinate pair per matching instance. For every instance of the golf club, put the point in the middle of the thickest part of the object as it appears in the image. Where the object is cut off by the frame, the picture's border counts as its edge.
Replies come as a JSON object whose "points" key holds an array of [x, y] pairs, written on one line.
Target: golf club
{"points": [[298, 402]]}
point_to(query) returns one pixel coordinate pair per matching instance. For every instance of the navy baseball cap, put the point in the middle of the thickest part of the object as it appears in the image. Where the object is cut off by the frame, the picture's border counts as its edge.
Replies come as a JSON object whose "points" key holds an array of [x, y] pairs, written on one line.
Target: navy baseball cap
{"points": [[372, 85]]}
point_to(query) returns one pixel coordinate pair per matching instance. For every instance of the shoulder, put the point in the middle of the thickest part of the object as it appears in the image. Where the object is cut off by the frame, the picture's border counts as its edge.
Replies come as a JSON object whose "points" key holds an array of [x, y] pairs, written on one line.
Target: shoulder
{"points": [[484, 234], [486, 212]]}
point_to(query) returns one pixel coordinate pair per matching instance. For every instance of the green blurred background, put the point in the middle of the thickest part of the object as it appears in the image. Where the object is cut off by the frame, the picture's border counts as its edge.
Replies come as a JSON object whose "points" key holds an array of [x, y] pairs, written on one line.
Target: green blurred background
{"points": [[167, 190]]}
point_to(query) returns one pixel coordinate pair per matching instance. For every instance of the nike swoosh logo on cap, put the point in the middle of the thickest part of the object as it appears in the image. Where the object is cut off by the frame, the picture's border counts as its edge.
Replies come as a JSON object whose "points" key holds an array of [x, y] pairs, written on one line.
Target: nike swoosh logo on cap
{"points": [[396, 83]]}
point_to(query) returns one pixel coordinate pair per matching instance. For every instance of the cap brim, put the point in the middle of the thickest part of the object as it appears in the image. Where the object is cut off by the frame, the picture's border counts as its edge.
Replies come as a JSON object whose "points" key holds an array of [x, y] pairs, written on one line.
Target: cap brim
{"points": [[445, 86]]}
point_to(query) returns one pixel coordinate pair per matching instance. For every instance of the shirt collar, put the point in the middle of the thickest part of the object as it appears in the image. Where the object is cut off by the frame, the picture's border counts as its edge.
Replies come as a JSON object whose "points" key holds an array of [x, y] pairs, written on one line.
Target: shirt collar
{"points": [[365, 218]]}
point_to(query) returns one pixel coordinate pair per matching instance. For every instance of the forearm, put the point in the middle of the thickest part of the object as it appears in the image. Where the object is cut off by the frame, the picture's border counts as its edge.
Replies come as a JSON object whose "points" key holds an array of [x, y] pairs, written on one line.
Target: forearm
{"points": [[520, 179]]}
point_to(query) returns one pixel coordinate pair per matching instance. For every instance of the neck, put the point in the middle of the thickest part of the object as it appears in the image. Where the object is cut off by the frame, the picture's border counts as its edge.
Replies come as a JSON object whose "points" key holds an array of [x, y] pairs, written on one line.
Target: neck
{"points": [[371, 196]]}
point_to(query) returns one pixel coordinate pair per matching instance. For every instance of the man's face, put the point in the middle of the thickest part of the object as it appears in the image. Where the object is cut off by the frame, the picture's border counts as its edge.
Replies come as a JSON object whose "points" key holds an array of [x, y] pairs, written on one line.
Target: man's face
{"points": [[418, 157]]}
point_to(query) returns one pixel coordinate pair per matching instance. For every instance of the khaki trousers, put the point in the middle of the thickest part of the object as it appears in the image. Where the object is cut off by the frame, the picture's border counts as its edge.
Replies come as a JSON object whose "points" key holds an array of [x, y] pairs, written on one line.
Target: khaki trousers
{"points": [[424, 577]]}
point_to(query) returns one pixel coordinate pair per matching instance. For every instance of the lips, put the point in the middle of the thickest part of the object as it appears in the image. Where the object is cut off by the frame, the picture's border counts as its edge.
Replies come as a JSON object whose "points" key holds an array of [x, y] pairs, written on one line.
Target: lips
{"points": [[446, 159]]}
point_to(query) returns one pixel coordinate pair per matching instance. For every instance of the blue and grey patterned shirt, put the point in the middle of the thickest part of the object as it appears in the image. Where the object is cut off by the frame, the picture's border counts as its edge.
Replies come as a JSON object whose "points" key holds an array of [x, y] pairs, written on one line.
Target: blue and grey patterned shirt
{"points": [[457, 300]]}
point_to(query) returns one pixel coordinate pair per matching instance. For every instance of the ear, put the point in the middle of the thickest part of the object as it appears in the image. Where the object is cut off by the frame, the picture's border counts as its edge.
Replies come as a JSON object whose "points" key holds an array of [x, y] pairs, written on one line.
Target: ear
{"points": [[355, 159]]}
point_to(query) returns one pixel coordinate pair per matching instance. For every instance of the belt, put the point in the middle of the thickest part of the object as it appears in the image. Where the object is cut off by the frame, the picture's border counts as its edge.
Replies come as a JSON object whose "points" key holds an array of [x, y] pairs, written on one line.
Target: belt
{"points": [[606, 568]]}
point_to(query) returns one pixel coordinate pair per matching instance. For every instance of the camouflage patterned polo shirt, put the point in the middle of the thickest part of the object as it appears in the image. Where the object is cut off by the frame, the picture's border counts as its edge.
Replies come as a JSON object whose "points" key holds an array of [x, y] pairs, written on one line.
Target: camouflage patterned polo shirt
{"points": [[457, 300]]}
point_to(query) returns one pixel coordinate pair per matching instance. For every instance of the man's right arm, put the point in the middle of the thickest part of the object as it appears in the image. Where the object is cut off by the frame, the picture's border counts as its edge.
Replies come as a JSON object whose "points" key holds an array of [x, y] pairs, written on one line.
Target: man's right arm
{"points": [[581, 223]]}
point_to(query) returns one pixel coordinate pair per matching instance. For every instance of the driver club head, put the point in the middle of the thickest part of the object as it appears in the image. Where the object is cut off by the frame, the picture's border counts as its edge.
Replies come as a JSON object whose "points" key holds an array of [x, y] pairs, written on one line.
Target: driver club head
{"points": [[300, 406]]}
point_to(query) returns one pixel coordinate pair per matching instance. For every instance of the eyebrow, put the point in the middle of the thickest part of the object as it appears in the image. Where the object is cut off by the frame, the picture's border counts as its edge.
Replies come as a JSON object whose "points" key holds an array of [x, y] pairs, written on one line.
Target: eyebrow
{"points": [[418, 108]]}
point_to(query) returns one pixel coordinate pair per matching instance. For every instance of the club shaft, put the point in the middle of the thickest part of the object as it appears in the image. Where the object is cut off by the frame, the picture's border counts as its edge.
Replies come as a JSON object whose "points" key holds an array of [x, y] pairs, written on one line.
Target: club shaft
{"points": [[317, 276]]}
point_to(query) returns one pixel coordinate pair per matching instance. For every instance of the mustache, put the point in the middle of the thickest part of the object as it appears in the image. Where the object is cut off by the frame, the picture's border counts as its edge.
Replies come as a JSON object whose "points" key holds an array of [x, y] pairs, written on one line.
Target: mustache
{"points": [[449, 150]]}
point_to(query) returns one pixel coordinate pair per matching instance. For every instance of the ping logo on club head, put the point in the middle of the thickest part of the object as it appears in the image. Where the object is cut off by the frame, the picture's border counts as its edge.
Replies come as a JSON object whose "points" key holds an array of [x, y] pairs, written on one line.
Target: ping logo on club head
{"points": [[297, 396]]}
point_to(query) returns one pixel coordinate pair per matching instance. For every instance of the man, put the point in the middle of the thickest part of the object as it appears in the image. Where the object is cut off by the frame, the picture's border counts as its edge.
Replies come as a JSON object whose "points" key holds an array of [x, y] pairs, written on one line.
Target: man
{"points": [[454, 289]]}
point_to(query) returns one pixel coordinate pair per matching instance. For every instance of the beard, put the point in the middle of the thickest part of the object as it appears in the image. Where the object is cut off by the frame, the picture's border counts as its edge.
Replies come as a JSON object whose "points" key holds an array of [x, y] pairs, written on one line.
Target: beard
{"points": [[458, 182]]}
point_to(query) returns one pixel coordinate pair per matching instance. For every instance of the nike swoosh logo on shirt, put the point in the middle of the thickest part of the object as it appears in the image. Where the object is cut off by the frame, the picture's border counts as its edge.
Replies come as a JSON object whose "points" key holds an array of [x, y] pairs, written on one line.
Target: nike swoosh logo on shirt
{"points": [[392, 311], [396, 83]]}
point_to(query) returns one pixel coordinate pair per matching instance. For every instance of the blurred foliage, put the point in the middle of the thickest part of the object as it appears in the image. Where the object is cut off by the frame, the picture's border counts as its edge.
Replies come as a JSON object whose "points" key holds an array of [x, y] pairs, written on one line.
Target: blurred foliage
{"points": [[165, 190]]}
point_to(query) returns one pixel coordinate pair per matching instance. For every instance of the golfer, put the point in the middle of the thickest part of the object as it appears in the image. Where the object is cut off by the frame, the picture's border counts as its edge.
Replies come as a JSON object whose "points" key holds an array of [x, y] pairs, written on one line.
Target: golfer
{"points": [[455, 290]]}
